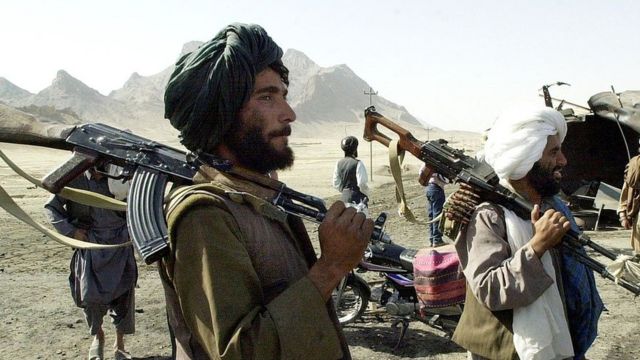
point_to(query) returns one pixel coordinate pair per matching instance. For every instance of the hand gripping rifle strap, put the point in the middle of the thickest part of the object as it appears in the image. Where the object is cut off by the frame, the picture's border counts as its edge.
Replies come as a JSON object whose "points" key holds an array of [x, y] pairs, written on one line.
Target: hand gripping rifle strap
{"points": [[395, 160]]}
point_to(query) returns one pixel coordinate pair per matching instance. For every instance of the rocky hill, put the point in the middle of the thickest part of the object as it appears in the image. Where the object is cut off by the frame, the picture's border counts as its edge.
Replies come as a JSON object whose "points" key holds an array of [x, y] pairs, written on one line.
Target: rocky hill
{"points": [[11, 93], [324, 99], [333, 94]]}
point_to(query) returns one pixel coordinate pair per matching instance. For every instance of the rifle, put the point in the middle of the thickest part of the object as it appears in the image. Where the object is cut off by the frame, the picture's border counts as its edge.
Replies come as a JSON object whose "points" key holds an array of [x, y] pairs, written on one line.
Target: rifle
{"points": [[152, 168], [456, 166]]}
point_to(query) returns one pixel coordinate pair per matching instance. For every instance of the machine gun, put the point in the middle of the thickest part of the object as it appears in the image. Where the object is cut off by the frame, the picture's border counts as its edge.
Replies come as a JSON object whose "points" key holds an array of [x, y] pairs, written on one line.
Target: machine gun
{"points": [[456, 166], [152, 168]]}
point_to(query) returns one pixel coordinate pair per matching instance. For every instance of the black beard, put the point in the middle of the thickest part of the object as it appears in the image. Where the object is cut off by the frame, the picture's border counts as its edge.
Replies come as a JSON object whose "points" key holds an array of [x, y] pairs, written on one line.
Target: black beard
{"points": [[542, 180], [255, 153]]}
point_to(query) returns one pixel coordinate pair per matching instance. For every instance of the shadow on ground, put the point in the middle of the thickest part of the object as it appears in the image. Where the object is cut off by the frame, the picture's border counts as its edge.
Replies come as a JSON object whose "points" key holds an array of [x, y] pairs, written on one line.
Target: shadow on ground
{"points": [[377, 334]]}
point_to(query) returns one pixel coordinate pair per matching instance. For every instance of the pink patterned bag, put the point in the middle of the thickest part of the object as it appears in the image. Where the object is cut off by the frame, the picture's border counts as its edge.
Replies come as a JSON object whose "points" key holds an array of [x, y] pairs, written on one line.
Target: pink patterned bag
{"points": [[438, 278]]}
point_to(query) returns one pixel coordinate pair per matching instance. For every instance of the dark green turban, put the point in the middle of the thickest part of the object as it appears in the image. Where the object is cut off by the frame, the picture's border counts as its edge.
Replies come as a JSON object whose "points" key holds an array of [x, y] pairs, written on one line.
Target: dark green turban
{"points": [[209, 85]]}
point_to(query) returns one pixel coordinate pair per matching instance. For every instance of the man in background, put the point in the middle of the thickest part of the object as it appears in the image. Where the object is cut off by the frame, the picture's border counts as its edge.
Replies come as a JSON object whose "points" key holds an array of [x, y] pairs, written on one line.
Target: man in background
{"points": [[630, 202], [102, 281], [350, 175], [434, 183]]}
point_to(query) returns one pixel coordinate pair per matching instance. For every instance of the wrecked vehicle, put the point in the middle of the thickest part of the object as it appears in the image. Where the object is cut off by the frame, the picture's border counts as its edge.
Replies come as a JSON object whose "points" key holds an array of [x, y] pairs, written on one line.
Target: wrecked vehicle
{"points": [[601, 138]]}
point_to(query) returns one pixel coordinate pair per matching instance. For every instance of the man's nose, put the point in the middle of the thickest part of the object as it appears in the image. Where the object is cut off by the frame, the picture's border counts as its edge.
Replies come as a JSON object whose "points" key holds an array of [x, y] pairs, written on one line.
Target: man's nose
{"points": [[561, 160], [288, 115]]}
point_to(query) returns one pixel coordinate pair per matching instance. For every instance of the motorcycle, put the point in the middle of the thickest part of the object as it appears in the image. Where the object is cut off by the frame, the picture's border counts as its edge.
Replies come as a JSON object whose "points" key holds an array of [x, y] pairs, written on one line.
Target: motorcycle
{"points": [[396, 294]]}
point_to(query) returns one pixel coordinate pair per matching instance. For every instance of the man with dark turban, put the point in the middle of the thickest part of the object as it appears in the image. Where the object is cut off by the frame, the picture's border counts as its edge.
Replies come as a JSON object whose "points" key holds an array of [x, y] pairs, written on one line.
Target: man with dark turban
{"points": [[242, 280], [526, 297]]}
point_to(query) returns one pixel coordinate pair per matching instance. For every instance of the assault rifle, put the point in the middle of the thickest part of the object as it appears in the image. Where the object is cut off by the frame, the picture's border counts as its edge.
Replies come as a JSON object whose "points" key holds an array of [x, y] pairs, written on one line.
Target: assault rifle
{"points": [[456, 166], [152, 168]]}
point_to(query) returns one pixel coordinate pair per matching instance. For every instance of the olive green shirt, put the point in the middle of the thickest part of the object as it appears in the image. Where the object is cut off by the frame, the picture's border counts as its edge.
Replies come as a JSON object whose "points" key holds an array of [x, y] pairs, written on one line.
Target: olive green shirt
{"points": [[241, 285]]}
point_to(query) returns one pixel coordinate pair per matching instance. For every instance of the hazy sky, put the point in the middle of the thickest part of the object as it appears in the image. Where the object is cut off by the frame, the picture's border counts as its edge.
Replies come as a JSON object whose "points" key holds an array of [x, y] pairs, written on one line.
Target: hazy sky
{"points": [[453, 64]]}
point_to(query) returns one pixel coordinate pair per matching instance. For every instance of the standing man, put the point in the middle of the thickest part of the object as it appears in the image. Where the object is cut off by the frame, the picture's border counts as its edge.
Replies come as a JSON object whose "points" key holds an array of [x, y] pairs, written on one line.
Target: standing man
{"points": [[630, 202], [350, 175], [101, 280], [435, 201], [525, 295], [242, 280]]}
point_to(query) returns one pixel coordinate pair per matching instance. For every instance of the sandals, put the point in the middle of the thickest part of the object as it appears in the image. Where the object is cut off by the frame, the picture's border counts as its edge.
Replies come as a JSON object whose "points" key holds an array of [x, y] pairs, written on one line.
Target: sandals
{"points": [[96, 351], [121, 355]]}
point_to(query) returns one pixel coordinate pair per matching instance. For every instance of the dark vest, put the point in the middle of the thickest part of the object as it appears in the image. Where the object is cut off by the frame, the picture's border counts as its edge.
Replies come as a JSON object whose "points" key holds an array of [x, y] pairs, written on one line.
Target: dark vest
{"points": [[484, 332], [347, 173]]}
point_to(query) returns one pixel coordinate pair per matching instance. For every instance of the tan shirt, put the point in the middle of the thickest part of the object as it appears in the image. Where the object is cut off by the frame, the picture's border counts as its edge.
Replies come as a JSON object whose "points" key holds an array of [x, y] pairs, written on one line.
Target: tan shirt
{"points": [[498, 279]]}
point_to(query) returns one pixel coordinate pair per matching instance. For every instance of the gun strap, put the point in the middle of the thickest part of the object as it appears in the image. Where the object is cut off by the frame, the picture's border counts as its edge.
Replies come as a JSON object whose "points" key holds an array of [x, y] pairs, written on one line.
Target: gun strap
{"points": [[81, 196], [395, 160], [260, 205]]}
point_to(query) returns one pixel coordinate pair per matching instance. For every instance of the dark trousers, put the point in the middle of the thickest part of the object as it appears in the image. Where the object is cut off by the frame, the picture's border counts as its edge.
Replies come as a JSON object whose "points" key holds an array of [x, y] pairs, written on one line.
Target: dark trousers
{"points": [[435, 196]]}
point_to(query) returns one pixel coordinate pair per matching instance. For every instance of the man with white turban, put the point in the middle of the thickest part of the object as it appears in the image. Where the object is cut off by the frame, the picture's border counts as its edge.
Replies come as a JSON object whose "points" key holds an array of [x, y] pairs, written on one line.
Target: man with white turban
{"points": [[526, 296]]}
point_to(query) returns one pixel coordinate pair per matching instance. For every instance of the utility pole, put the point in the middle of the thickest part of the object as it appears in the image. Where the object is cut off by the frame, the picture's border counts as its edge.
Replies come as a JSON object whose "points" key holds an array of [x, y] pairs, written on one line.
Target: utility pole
{"points": [[371, 93], [428, 130]]}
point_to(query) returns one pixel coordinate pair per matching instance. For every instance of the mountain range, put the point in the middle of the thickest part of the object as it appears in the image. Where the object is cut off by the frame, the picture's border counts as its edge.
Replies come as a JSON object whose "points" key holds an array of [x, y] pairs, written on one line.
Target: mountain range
{"points": [[323, 98]]}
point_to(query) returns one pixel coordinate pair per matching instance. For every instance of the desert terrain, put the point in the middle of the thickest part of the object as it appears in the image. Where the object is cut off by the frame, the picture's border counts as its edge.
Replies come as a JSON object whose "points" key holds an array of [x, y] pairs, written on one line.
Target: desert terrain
{"points": [[39, 321]]}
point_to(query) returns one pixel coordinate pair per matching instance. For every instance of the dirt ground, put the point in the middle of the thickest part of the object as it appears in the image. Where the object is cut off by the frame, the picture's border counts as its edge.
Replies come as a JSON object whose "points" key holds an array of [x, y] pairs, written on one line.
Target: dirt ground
{"points": [[39, 321]]}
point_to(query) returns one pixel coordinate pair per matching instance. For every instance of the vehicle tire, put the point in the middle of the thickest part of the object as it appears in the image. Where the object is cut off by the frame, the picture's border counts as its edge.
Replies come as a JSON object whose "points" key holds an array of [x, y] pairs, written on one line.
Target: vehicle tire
{"points": [[354, 301]]}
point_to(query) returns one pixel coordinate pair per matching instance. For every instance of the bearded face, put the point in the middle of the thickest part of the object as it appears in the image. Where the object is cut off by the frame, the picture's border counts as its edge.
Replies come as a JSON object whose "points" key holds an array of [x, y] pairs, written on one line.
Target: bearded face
{"points": [[546, 173], [544, 179], [259, 139], [254, 147]]}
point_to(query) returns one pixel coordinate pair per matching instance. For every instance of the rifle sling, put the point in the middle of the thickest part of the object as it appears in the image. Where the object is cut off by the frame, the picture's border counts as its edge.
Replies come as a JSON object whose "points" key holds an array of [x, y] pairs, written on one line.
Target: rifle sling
{"points": [[395, 159], [80, 196]]}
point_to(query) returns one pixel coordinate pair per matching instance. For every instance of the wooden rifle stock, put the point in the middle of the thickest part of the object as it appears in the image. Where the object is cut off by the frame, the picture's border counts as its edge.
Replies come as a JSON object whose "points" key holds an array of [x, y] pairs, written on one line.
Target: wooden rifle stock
{"points": [[406, 140]]}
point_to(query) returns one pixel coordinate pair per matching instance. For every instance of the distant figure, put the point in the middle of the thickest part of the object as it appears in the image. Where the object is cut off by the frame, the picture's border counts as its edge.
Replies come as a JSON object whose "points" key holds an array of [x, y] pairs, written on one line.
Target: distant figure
{"points": [[630, 201], [434, 183], [350, 176], [101, 280]]}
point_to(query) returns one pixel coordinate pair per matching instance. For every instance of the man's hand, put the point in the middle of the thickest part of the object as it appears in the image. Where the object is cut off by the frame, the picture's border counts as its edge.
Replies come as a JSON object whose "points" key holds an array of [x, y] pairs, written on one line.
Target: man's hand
{"points": [[625, 221], [424, 175], [343, 235], [80, 234], [462, 203], [549, 229]]}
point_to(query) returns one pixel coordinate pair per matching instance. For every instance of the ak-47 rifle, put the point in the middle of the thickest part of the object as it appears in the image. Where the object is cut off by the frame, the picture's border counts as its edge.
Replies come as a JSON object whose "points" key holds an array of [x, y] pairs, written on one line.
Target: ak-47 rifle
{"points": [[456, 166], [152, 167]]}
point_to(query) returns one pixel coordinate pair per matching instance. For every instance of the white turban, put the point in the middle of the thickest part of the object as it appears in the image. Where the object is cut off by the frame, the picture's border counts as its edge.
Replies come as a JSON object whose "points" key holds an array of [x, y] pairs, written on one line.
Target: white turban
{"points": [[517, 139]]}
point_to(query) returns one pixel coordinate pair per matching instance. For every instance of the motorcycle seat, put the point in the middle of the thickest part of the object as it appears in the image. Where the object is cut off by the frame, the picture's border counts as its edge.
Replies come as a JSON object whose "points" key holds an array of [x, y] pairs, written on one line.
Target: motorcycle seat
{"points": [[406, 259]]}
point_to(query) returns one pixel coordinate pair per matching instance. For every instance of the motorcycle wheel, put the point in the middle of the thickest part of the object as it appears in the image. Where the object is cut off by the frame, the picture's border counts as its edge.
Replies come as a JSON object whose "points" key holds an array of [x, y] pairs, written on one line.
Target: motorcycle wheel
{"points": [[354, 300]]}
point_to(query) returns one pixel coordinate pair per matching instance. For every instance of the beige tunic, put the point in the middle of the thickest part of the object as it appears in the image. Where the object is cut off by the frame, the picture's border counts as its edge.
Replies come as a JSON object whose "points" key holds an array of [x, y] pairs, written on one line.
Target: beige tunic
{"points": [[497, 279], [625, 195]]}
